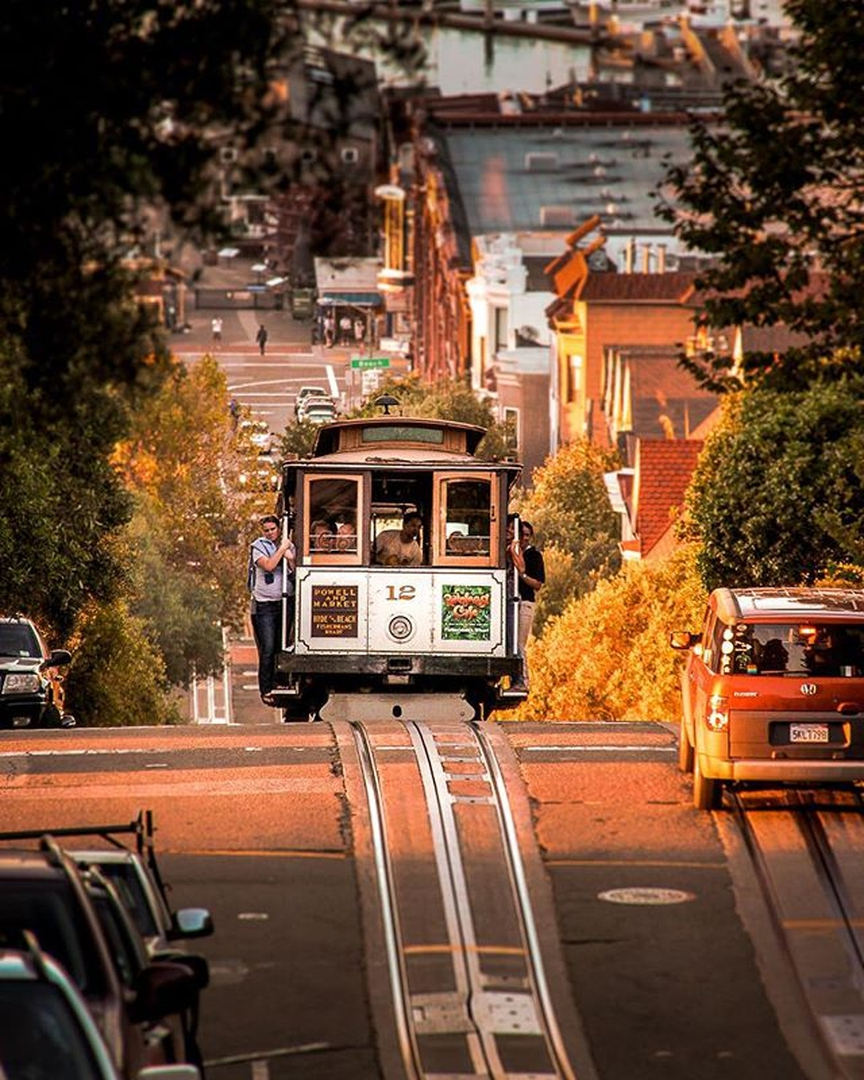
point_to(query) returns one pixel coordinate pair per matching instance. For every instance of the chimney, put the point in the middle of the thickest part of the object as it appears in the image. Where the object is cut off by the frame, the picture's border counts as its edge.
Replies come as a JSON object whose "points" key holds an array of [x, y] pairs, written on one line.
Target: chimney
{"points": [[646, 259]]}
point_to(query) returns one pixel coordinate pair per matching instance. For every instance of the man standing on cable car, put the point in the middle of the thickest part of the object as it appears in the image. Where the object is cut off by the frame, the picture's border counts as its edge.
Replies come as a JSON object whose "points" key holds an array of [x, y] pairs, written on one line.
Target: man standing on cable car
{"points": [[532, 575]]}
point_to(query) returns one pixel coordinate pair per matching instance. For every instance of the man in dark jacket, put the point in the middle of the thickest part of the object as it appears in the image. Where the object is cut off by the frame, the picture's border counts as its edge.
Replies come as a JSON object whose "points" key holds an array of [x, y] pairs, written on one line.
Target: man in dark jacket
{"points": [[529, 565]]}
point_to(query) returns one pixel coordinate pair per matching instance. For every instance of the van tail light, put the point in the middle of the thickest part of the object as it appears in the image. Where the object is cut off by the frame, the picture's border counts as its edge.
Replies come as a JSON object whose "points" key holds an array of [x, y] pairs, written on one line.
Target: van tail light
{"points": [[718, 713]]}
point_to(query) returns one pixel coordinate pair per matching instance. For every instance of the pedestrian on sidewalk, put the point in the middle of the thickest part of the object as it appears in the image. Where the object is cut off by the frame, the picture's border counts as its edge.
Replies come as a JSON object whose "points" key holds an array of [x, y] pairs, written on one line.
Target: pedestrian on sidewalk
{"points": [[261, 338], [216, 327], [267, 558]]}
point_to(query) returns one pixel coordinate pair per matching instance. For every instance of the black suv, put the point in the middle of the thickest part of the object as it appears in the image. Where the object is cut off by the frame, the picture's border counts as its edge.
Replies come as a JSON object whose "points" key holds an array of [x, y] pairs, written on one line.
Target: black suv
{"points": [[31, 687]]}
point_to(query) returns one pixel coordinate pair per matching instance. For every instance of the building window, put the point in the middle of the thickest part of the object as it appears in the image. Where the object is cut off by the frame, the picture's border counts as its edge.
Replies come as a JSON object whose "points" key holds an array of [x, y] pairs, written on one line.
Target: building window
{"points": [[500, 328], [511, 429], [574, 376]]}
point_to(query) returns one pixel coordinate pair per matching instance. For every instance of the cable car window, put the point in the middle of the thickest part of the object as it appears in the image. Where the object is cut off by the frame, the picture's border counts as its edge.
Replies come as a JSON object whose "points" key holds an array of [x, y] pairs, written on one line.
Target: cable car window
{"points": [[403, 433], [467, 516], [332, 515]]}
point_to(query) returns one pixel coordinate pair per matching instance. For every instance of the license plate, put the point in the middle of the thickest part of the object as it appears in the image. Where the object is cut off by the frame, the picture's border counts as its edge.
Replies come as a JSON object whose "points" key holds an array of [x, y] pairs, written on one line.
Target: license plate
{"points": [[808, 733]]}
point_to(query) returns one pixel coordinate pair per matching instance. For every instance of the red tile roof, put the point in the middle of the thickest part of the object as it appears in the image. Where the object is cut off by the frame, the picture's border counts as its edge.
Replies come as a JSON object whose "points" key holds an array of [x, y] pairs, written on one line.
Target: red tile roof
{"points": [[663, 471], [612, 288]]}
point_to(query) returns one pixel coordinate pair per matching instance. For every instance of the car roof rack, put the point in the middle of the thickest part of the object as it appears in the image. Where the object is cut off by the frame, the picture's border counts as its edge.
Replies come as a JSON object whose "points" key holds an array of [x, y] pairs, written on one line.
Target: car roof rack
{"points": [[142, 828]]}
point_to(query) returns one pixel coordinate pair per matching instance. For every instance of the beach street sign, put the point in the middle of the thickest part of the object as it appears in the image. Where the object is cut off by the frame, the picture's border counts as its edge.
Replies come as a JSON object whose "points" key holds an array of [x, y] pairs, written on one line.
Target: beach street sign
{"points": [[366, 362]]}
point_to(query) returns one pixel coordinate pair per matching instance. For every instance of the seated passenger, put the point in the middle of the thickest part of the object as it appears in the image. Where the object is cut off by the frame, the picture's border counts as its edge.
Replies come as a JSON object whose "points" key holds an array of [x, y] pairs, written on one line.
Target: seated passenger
{"points": [[456, 543], [400, 547], [346, 537], [322, 538]]}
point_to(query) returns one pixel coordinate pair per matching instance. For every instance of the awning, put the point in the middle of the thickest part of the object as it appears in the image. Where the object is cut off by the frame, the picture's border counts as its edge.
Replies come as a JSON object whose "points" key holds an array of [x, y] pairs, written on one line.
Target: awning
{"points": [[353, 299]]}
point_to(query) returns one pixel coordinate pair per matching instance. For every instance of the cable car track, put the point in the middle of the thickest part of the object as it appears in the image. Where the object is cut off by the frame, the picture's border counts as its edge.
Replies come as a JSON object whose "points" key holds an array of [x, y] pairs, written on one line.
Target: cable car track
{"points": [[468, 984], [807, 857]]}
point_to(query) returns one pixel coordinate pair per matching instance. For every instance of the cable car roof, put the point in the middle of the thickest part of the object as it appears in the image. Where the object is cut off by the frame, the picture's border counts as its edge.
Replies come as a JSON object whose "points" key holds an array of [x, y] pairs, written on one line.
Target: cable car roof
{"points": [[376, 433]]}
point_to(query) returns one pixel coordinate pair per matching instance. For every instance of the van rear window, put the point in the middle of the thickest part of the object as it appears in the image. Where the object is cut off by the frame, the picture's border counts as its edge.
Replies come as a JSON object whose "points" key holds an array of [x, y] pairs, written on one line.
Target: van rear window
{"points": [[801, 648]]}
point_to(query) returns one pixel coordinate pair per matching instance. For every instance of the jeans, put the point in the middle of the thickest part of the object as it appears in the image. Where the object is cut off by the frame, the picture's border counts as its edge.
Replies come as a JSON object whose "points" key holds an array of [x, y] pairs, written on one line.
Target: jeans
{"points": [[267, 628], [526, 622]]}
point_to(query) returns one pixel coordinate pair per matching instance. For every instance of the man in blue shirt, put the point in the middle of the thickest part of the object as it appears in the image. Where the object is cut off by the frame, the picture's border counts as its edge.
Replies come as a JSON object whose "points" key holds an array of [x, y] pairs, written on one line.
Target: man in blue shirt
{"points": [[270, 558]]}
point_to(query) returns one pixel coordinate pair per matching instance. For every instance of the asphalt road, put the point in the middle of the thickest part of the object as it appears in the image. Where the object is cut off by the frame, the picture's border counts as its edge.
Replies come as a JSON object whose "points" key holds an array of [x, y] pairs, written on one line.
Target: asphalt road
{"points": [[654, 910]]}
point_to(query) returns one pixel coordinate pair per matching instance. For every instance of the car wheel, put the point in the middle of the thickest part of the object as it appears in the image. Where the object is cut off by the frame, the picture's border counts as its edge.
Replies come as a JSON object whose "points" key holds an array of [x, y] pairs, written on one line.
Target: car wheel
{"points": [[685, 750], [707, 792]]}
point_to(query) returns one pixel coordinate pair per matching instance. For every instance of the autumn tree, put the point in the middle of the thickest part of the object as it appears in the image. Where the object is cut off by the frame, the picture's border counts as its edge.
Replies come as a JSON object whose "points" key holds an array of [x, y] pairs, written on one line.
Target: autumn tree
{"points": [[778, 494], [182, 464], [113, 113], [606, 656], [774, 194], [569, 508]]}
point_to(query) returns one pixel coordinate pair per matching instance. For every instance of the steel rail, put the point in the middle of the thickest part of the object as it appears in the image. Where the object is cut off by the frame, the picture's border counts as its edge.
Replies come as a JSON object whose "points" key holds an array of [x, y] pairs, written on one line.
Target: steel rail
{"points": [[386, 889], [477, 997], [454, 891], [526, 911], [806, 812]]}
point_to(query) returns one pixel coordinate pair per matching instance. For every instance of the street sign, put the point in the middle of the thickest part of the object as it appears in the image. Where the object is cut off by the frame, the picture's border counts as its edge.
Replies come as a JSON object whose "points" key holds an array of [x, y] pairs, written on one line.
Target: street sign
{"points": [[365, 362]]}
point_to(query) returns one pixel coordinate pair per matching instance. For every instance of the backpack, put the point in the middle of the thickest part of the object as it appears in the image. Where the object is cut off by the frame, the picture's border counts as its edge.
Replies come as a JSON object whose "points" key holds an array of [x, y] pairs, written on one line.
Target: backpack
{"points": [[250, 571]]}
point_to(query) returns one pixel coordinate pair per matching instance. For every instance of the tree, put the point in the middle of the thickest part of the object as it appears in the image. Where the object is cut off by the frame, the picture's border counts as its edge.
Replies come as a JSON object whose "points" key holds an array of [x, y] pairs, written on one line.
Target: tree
{"points": [[117, 677], [778, 493], [774, 192], [569, 509], [607, 656], [89, 170], [182, 465]]}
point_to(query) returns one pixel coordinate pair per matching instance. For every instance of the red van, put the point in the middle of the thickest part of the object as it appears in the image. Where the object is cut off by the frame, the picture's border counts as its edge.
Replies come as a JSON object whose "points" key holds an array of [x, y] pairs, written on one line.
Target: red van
{"points": [[773, 690]]}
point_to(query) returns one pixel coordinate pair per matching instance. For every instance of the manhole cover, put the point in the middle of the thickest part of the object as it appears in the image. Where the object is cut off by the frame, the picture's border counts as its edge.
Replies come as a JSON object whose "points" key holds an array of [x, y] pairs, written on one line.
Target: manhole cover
{"points": [[645, 896]]}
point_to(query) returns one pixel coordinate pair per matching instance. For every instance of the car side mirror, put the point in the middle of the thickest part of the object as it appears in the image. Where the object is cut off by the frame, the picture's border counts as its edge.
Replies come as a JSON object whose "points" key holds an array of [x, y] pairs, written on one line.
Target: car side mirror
{"points": [[196, 963], [58, 657], [191, 923], [162, 989]]}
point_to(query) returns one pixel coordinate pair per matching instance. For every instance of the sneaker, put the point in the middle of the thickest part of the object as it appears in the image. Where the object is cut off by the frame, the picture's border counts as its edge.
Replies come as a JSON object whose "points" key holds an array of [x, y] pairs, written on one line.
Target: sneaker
{"points": [[268, 699]]}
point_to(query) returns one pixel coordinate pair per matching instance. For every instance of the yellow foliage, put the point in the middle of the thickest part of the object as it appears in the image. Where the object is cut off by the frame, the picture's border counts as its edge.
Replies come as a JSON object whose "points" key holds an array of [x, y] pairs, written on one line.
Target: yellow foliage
{"points": [[607, 656]]}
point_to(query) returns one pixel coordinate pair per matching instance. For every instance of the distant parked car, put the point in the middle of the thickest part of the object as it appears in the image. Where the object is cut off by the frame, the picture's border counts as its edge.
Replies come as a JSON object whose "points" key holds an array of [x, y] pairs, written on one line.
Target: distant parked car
{"points": [[306, 392], [31, 687], [259, 435], [48, 1029], [317, 410], [773, 690], [264, 476]]}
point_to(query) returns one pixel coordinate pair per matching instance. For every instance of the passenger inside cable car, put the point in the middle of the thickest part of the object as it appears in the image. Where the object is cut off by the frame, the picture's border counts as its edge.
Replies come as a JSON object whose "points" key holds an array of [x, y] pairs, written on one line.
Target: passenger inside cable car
{"points": [[454, 520]]}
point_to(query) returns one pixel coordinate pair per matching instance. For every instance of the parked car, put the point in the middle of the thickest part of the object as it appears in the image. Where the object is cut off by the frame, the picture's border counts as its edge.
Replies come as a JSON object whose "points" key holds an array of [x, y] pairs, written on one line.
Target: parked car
{"points": [[306, 392], [259, 435], [48, 1030], [44, 893], [773, 690], [138, 881], [317, 410], [31, 686], [264, 476], [169, 1036]]}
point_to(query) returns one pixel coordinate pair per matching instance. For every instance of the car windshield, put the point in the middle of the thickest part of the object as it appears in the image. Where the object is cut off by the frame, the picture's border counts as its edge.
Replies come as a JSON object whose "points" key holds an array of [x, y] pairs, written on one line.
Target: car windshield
{"points": [[18, 639], [49, 908], [801, 649], [42, 1038]]}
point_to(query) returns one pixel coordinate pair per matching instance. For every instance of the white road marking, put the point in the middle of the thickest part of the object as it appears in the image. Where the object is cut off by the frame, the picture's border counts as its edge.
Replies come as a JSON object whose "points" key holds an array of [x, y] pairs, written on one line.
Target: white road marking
{"points": [[260, 1070], [588, 748]]}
